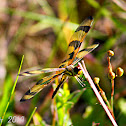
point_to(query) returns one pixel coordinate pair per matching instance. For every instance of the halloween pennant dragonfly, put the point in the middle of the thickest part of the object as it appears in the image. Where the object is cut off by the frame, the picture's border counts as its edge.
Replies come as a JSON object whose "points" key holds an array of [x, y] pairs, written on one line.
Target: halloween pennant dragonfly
{"points": [[68, 67]]}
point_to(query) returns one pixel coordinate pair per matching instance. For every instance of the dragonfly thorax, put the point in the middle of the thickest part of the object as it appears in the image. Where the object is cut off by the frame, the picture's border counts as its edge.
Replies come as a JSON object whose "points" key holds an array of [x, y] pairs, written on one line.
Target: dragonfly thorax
{"points": [[71, 70]]}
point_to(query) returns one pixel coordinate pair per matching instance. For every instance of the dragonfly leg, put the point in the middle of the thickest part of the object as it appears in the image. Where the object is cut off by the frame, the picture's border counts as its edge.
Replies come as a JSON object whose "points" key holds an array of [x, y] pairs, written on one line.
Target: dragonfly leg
{"points": [[80, 80]]}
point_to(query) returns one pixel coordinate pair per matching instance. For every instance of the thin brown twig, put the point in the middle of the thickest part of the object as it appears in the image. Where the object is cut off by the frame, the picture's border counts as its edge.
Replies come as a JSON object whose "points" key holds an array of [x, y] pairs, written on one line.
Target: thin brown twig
{"points": [[112, 82], [87, 76], [112, 93], [109, 64]]}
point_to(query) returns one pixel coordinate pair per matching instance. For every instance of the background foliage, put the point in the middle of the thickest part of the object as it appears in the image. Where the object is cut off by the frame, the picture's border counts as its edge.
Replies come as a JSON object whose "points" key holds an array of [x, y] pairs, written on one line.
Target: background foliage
{"points": [[40, 30]]}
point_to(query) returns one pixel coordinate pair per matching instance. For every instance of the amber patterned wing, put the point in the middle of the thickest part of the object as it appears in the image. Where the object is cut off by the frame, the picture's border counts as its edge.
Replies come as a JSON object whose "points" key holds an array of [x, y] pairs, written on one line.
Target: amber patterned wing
{"points": [[40, 71], [84, 52], [76, 41], [39, 86]]}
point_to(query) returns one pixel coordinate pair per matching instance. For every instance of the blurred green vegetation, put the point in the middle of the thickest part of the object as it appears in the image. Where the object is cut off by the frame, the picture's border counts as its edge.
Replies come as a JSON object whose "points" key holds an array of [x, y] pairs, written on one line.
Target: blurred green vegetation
{"points": [[40, 30]]}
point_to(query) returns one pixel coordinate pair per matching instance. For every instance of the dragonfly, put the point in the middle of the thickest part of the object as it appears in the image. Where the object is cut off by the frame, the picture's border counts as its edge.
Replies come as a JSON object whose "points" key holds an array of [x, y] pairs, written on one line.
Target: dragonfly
{"points": [[68, 67]]}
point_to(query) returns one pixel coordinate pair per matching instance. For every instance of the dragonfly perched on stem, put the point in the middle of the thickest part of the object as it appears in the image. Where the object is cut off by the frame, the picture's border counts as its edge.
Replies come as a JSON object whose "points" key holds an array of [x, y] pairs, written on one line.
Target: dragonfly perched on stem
{"points": [[68, 67]]}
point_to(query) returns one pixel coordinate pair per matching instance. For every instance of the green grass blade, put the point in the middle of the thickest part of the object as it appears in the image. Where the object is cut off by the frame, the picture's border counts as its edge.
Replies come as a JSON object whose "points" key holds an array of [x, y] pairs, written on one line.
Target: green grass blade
{"points": [[12, 92], [31, 116]]}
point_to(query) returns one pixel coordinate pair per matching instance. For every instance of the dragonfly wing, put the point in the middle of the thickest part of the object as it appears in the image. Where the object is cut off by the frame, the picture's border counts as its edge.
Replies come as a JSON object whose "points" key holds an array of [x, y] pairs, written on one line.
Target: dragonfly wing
{"points": [[59, 85], [40, 71], [80, 81], [76, 41], [83, 53], [39, 86]]}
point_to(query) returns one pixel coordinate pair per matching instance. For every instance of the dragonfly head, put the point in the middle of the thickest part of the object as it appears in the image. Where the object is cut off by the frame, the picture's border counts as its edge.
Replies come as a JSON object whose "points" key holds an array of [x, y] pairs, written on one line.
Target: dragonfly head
{"points": [[77, 70]]}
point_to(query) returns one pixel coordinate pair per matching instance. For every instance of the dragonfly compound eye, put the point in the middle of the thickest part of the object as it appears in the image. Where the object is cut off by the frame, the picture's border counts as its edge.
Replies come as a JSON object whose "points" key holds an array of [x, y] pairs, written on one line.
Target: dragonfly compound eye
{"points": [[76, 70]]}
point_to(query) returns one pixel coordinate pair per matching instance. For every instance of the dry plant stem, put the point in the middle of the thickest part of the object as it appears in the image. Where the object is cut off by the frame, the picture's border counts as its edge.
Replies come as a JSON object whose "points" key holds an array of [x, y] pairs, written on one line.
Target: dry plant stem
{"points": [[104, 96], [112, 82], [109, 64], [112, 93], [87, 76]]}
